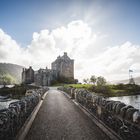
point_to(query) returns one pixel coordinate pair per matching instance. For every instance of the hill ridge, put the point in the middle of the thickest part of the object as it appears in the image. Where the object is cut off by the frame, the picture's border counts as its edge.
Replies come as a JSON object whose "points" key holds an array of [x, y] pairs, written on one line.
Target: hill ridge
{"points": [[12, 71]]}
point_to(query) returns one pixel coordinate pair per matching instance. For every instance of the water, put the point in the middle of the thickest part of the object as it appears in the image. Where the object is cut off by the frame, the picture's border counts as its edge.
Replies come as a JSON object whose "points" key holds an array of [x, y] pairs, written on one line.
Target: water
{"points": [[10, 86], [5, 103], [129, 100]]}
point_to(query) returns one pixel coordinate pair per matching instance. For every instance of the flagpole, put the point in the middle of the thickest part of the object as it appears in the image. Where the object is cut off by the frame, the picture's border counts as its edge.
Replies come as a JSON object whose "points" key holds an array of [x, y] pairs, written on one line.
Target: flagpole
{"points": [[129, 75]]}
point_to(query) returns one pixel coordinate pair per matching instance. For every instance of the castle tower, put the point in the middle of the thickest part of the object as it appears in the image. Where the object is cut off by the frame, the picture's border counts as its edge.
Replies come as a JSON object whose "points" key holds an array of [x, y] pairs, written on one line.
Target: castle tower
{"points": [[65, 66], [28, 76]]}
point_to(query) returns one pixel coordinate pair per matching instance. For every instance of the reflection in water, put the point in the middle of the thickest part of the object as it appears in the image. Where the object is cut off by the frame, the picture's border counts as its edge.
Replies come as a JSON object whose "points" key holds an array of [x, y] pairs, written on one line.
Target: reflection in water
{"points": [[129, 100]]}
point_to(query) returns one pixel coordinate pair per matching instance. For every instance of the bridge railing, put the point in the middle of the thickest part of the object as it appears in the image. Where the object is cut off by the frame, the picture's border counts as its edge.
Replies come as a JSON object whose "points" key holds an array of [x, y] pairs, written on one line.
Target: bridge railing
{"points": [[13, 117], [123, 119]]}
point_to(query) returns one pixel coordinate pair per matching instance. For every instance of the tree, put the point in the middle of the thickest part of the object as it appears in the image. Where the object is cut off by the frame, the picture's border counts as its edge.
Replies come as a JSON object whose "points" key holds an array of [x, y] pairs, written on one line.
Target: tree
{"points": [[86, 81], [76, 81], [93, 79], [101, 81], [7, 79]]}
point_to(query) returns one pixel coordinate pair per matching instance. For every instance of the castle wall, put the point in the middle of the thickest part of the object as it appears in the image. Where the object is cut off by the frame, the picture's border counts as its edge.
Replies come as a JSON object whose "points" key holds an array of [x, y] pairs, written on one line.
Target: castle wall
{"points": [[45, 77], [66, 69], [38, 79]]}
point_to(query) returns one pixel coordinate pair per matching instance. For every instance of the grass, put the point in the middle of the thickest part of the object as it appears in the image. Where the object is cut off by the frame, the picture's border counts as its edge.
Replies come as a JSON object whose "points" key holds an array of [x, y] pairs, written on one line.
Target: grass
{"points": [[86, 86], [108, 90]]}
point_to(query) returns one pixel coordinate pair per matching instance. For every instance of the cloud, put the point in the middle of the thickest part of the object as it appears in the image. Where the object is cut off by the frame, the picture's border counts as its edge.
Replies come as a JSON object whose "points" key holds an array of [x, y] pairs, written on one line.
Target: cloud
{"points": [[115, 62], [8, 48], [89, 49]]}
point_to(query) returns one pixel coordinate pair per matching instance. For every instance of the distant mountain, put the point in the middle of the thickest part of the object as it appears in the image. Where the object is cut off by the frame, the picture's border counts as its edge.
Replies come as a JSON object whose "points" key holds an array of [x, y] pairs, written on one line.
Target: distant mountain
{"points": [[126, 81], [11, 73]]}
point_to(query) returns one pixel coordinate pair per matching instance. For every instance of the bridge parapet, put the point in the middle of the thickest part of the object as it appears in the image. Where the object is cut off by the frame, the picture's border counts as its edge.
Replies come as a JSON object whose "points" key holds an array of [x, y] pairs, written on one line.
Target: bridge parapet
{"points": [[123, 119], [14, 116]]}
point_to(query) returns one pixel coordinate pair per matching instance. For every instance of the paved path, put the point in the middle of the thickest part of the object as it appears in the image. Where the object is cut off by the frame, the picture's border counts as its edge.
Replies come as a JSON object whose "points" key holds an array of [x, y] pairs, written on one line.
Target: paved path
{"points": [[60, 119]]}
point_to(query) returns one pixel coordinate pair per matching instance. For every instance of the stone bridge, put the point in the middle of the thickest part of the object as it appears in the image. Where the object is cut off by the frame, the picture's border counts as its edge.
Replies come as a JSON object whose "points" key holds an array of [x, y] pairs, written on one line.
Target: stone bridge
{"points": [[71, 114], [121, 119]]}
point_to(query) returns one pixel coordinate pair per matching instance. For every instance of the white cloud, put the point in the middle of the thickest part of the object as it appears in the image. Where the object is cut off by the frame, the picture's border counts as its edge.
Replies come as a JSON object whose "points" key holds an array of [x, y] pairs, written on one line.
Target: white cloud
{"points": [[89, 49], [8, 48], [115, 62]]}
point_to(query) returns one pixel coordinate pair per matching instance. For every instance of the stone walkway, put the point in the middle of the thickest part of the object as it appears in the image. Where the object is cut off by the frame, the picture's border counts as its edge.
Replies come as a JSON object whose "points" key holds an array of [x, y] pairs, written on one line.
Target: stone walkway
{"points": [[60, 119]]}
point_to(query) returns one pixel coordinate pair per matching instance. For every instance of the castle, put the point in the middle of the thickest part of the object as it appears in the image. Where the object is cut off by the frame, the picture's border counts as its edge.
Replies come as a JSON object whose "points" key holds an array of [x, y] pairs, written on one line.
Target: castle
{"points": [[61, 68]]}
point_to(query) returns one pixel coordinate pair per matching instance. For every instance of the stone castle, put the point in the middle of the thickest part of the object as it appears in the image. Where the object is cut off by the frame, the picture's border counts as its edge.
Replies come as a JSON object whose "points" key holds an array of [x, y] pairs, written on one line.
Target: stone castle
{"points": [[61, 68]]}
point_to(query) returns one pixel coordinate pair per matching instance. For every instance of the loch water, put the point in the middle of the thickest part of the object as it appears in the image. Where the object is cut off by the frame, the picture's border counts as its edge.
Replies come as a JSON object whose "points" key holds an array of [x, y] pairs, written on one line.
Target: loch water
{"points": [[129, 100]]}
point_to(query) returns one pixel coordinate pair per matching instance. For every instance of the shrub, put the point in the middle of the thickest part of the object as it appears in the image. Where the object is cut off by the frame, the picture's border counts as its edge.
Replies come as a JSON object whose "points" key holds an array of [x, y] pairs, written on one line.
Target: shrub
{"points": [[105, 89]]}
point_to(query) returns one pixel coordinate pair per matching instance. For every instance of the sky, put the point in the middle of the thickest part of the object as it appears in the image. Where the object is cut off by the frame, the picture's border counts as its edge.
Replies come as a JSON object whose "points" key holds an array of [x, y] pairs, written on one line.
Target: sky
{"points": [[102, 36]]}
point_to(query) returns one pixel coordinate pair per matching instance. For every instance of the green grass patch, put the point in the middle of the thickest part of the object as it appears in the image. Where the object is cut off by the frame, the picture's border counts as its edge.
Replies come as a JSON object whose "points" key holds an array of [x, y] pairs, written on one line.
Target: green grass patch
{"points": [[86, 86], [109, 90]]}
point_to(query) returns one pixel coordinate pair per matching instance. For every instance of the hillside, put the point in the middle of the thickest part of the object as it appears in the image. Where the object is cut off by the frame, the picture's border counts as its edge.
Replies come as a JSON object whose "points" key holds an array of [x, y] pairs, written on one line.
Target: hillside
{"points": [[10, 72], [126, 81]]}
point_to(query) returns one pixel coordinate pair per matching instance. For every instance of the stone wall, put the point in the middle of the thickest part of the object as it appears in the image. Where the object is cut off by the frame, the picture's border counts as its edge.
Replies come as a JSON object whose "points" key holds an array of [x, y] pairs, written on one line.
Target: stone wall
{"points": [[13, 117], [123, 119]]}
